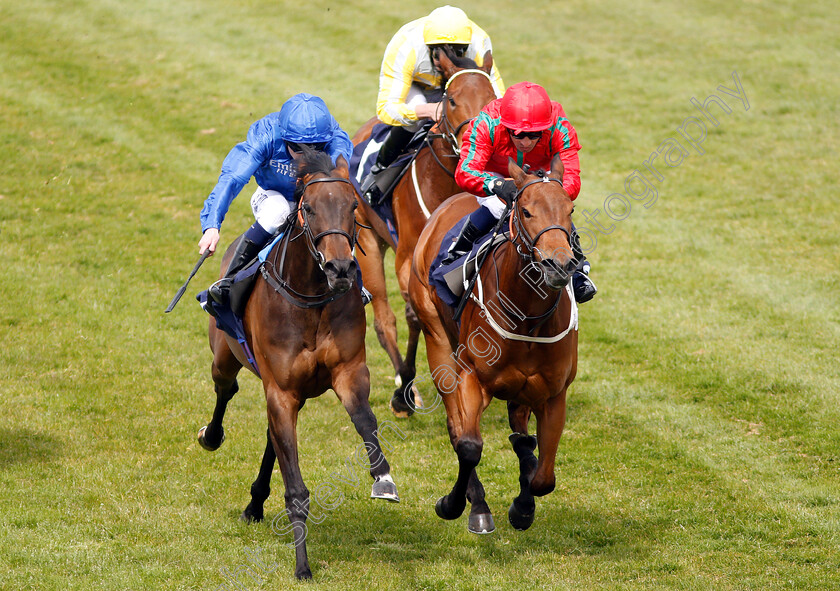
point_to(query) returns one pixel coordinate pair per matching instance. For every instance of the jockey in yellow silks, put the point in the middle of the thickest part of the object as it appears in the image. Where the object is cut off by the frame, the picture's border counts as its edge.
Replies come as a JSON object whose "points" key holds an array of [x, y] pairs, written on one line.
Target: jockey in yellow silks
{"points": [[410, 82]]}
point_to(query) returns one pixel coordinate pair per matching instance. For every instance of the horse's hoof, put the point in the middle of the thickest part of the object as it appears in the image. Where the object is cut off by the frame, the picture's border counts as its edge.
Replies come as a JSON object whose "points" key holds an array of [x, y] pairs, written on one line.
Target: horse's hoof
{"points": [[202, 440], [442, 512], [518, 520], [481, 523], [398, 406], [384, 488], [251, 515], [303, 574]]}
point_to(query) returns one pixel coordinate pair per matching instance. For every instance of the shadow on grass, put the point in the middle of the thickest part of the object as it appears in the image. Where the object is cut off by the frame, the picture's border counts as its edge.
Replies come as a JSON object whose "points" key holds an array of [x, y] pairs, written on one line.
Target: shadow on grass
{"points": [[19, 446]]}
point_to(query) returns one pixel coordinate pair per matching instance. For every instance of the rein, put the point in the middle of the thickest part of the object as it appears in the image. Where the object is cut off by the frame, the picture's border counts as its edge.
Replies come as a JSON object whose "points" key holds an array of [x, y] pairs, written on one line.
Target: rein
{"points": [[274, 277]]}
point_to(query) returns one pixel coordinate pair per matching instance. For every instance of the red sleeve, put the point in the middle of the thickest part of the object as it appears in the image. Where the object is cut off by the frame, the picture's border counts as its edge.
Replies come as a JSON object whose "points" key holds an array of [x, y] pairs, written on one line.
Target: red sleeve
{"points": [[564, 141], [476, 149]]}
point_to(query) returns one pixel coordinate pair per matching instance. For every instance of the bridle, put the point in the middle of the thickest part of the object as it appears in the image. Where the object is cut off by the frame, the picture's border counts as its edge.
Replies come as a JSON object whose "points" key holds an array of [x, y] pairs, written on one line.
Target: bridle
{"points": [[274, 276], [519, 235], [449, 131]]}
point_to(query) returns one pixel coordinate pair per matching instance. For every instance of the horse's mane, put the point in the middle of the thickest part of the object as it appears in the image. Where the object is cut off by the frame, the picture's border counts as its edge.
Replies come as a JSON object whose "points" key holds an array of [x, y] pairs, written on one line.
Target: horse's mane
{"points": [[311, 162], [314, 161], [460, 62]]}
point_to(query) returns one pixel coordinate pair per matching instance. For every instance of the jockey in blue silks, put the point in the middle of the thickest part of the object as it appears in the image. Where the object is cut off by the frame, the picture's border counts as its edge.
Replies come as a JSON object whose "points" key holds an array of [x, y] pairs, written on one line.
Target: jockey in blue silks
{"points": [[268, 154]]}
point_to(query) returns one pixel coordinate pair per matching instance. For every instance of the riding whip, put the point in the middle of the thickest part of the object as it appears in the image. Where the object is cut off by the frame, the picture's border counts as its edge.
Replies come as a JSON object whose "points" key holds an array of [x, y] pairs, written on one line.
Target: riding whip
{"points": [[183, 289], [479, 262]]}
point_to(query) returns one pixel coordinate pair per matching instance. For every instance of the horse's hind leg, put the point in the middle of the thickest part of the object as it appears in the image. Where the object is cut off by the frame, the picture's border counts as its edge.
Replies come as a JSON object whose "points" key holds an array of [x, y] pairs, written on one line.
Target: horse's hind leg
{"points": [[352, 386], [224, 371], [283, 409], [261, 488]]}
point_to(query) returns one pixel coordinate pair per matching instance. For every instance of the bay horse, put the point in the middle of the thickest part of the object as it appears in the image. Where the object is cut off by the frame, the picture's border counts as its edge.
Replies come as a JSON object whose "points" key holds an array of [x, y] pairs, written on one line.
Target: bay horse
{"points": [[418, 193], [306, 329], [522, 349]]}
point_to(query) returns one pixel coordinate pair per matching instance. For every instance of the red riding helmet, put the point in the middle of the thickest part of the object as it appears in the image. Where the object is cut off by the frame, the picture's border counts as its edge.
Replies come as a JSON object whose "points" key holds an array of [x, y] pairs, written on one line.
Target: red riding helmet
{"points": [[526, 107]]}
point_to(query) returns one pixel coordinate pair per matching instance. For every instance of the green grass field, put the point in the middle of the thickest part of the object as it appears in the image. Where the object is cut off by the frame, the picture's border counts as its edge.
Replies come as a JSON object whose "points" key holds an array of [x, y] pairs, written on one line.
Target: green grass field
{"points": [[702, 448]]}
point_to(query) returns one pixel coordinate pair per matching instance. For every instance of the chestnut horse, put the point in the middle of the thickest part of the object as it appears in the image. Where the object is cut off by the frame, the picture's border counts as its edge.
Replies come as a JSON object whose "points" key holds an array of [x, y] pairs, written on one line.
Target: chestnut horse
{"points": [[420, 191], [517, 341], [306, 328]]}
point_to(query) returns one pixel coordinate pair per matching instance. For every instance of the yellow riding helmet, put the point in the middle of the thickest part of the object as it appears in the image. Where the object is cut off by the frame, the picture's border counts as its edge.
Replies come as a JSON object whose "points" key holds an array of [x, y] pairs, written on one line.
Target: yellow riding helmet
{"points": [[447, 24]]}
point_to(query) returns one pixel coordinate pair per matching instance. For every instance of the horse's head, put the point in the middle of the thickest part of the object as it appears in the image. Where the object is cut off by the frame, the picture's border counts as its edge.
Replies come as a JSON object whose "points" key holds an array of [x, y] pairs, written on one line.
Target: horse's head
{"points": [[542, 222], [326, 216], [468, 89]]}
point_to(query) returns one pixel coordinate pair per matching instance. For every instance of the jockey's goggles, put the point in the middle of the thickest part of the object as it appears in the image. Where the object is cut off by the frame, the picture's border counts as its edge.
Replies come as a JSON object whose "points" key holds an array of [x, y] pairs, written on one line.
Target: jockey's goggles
{"points": [[531, 135], [298, 147]]}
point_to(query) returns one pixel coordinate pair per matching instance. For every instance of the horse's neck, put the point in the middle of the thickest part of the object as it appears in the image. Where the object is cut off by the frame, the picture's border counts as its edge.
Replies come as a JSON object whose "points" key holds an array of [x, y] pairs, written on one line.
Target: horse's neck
{"points": [[521, 291], [438, 172]]}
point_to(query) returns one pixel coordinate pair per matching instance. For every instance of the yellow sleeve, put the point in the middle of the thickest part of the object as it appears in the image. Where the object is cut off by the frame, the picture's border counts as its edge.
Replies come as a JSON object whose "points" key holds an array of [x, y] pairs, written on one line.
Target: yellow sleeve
{"points": [[395, 78]]}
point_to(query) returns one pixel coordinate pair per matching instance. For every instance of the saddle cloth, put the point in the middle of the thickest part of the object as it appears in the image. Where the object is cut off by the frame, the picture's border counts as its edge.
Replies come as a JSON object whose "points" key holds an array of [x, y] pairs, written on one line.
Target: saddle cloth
{"points": [[363, 158], [451, 280]]}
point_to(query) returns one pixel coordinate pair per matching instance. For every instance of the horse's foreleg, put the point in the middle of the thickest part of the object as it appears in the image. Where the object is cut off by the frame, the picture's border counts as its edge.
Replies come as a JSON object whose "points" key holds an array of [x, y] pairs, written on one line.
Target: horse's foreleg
{"points": [[521, 512], [406, 397], [372, 264], [352, 385], [283, 408], [261, 488], [551, 418], [224, 371], [471, 403]]}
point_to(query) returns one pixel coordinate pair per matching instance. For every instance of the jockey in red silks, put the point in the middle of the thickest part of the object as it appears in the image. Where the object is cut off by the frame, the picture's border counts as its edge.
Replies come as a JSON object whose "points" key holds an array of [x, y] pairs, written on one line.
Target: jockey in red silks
{"points": [[530, 128]]}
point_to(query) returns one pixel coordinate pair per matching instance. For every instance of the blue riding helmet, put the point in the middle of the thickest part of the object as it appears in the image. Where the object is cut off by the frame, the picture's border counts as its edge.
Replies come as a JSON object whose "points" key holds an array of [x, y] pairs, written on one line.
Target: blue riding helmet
{"points": [[305, 119]]}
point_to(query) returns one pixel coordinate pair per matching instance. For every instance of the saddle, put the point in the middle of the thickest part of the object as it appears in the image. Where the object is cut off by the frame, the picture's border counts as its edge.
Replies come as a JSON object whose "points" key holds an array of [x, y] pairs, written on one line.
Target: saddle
{"points": [[451, 280]]}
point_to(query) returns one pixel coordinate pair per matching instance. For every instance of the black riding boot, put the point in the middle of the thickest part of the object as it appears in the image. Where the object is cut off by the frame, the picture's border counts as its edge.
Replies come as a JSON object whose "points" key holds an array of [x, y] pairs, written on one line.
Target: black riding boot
{"points": [[398, 138], [583, 286], [245, 252], [463, 244], [478, 223]]}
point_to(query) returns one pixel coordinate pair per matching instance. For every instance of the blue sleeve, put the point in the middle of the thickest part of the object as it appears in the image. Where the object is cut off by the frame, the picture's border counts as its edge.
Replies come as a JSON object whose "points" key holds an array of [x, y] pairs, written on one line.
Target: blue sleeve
{"points": [[340, 145], [237, 169]]}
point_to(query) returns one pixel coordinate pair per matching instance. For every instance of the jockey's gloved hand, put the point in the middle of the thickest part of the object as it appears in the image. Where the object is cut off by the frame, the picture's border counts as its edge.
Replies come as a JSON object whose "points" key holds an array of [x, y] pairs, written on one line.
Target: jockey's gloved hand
{"points": [[505, 189]]}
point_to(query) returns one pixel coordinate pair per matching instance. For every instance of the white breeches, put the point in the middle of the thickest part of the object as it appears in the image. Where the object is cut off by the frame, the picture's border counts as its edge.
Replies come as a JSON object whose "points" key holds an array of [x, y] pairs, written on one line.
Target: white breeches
{"points": [[270, 209], [495, 205]]}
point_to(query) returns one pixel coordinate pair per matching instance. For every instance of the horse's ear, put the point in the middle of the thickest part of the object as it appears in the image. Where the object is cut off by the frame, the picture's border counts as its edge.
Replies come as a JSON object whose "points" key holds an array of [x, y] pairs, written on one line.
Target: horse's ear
{"points": [[557, 168], [341, 167], [487, 64], [517, 174], [446, 66]]}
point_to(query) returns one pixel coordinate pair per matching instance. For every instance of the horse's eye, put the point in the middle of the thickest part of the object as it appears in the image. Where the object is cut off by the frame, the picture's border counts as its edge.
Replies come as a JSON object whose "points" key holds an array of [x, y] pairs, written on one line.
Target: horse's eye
{"points": [[452, 102], [355, 205], [573, 211], [526, 213], [307, 208]]}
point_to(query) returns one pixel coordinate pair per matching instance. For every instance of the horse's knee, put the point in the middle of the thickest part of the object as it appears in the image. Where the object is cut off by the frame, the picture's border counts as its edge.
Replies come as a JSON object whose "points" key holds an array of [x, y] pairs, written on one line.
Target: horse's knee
{"points": [[469, 450]]}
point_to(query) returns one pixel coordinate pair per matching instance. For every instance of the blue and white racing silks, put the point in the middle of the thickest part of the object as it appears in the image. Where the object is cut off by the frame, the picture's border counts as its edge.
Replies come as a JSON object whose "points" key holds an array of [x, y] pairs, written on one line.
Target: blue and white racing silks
{"points": [[304, 118]]}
